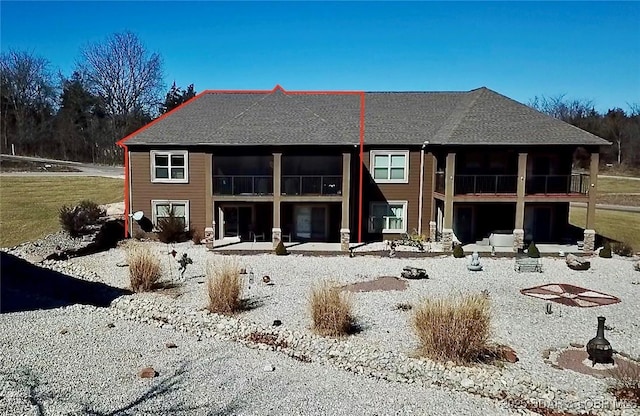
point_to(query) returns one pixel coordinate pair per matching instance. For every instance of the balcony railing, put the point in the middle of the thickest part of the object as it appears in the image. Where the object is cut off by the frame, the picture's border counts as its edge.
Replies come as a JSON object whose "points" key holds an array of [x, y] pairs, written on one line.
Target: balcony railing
{"points": [[242, 185], [576, 183], [311, 185], [440, 182], [486, 184]]}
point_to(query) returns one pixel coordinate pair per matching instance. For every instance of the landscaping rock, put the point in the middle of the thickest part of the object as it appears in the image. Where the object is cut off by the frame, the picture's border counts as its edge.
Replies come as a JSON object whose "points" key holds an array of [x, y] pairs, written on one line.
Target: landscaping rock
{"points": [[147, 372]]}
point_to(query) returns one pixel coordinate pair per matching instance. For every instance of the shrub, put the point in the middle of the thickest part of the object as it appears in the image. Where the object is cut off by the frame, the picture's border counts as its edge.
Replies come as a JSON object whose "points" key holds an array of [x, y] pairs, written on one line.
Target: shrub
{"points": [[605, 252], [224, 287], [75, 220], [144, 268], [331, 310], [627, 383], [171, 229], [91, 210], [458, 252], [280, 249], [454, 328], [533, 251], [622, 249]]}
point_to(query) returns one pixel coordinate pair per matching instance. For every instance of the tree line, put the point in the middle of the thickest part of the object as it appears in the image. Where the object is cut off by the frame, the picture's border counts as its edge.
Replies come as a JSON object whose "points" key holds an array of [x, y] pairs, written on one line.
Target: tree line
{"points": [[116, 87], [620, 128]]}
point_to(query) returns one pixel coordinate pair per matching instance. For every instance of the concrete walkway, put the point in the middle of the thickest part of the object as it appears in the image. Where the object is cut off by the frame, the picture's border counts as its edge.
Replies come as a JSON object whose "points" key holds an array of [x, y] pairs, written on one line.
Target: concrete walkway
{"points": [[233, 244]]}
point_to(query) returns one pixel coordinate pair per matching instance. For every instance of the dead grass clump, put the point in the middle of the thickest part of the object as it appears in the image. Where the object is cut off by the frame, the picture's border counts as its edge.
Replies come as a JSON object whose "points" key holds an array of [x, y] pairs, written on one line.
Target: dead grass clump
{"points": [[453, 329], [331, 310], [224, 286], [144, 268]]}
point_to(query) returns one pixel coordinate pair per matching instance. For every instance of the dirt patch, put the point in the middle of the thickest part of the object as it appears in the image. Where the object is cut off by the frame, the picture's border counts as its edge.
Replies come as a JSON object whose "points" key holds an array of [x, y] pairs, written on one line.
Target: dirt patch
{"points": [[382, 283], [578, 360]]}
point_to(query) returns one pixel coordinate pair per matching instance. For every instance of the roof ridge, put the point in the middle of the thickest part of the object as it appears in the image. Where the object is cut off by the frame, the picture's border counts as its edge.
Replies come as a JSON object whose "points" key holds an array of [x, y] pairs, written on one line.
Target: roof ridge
{"points": [[227, 122], [456, 117]]}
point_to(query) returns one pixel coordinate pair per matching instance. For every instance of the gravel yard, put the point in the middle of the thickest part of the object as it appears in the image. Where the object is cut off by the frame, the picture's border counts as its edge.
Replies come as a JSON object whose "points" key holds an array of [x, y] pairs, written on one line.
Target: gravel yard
{"points": [[518, 321]]}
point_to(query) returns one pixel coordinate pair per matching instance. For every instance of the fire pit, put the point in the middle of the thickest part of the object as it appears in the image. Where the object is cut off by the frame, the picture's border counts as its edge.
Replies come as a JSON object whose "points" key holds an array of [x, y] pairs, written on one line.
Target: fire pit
{"points": [[598, 348]]}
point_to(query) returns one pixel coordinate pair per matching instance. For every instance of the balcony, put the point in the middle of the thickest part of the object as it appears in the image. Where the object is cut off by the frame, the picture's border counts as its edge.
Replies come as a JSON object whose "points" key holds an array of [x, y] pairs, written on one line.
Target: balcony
{"points": [[576, 183], [485, 184], [242, 185], [311, 185]]}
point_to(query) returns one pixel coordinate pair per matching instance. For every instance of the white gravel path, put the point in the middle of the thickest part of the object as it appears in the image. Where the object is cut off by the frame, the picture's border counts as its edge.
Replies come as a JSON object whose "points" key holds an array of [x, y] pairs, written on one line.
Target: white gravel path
{"points": [[92, 369]]}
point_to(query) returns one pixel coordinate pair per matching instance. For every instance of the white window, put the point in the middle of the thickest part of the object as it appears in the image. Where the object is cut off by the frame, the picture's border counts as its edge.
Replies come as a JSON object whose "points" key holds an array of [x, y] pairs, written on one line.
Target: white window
{"points": [[161, 210], [170, 166], [388, 217], [390, 166]]}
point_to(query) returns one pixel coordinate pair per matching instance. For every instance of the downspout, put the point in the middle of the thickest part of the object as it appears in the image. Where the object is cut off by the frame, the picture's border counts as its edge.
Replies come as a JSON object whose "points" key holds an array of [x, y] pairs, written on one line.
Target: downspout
{"points": [[129, 196], [127, 178], [421, 195], [361, 167]]}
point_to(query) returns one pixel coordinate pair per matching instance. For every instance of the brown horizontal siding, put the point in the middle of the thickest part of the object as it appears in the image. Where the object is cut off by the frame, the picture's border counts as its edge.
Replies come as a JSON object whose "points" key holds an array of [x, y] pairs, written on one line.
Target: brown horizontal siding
{"points": [[409, 191], [143, 190]]}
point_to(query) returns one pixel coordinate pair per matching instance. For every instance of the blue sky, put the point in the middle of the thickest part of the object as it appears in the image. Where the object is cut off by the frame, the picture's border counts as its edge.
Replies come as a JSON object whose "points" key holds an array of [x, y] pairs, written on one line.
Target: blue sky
{"points": [[585, 50]]}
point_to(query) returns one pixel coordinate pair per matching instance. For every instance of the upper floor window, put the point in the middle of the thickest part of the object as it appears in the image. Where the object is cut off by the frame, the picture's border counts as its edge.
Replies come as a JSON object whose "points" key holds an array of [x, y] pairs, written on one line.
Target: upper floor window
{"points": [[390, 166], [170, 166]]}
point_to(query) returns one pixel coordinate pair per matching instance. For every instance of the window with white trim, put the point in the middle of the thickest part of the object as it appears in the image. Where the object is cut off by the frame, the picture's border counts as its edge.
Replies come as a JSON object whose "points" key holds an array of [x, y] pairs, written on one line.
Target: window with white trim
{"points": [[390, 166], [170, 166], [388, 217], [161, 210]]}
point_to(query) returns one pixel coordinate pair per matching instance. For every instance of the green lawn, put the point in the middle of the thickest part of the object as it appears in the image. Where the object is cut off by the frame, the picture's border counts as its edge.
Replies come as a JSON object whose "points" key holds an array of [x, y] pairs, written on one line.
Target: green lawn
{"points": [[618, 225], [618, 185], [29, 205]]}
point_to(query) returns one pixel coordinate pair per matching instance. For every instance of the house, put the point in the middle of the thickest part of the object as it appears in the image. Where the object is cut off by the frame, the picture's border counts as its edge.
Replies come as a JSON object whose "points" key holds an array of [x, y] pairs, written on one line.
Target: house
{"points": [[348, 166]]}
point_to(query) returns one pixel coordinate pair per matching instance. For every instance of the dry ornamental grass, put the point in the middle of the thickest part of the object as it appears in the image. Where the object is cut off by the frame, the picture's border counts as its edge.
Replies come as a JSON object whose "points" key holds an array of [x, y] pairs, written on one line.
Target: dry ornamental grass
{"points": [[144, 268], [224, 286], [331, 310], [454, 328]]}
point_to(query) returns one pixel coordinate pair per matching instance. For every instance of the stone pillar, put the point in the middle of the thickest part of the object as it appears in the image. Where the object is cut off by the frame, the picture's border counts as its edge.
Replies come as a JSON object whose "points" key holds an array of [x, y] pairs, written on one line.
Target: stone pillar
{"points": [[432, 231], [209, 237], [518, 239], [276, 236], [593, 182], [345, 239], [589, 241], [447, 229], [276, 232], [447, 239]]}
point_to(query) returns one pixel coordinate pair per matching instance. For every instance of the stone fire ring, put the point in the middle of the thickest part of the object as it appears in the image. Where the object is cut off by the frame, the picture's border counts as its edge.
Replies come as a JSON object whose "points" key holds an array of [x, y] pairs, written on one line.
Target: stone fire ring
{"points": [[570, 295]]}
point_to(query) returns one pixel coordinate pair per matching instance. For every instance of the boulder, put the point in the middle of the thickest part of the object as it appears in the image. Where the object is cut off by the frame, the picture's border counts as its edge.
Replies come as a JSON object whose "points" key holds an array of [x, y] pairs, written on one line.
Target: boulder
{"points": [[576, 263], [147, 372]]}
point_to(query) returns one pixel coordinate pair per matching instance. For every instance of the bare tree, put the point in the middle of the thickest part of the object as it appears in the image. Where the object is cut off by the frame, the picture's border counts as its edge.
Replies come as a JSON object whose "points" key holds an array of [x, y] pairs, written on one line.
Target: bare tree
{"points": [[564, 109], [126, 77], [28, 97]]}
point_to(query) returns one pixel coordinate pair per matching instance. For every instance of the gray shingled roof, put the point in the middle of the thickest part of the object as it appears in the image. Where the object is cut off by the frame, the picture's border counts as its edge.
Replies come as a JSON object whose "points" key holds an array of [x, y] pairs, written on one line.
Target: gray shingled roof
{"points": [[479, 116]]}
